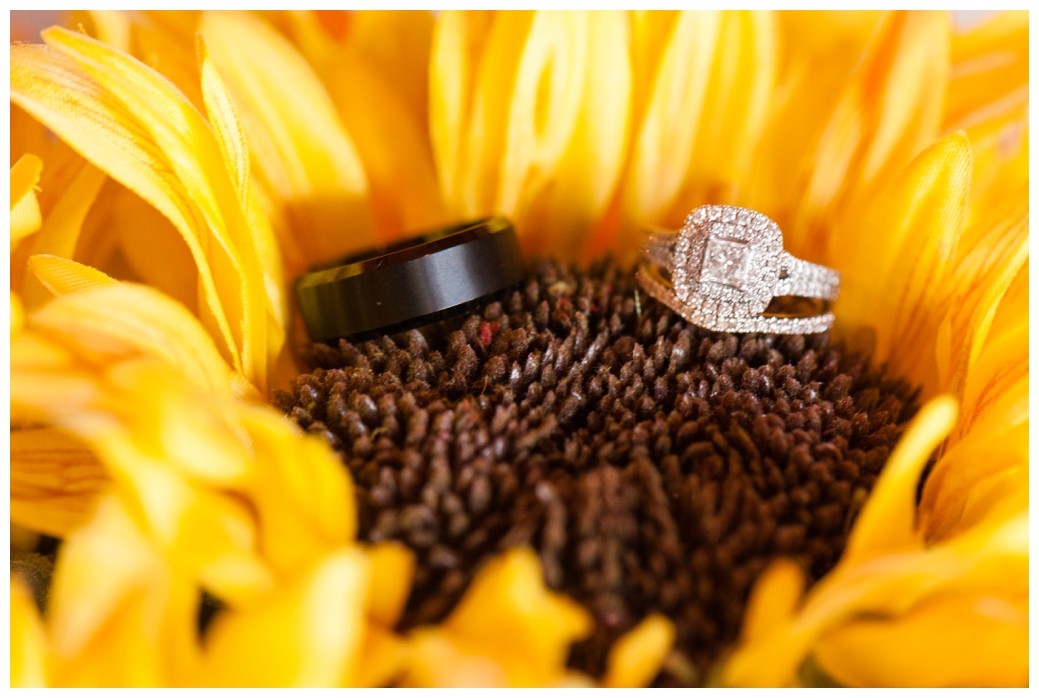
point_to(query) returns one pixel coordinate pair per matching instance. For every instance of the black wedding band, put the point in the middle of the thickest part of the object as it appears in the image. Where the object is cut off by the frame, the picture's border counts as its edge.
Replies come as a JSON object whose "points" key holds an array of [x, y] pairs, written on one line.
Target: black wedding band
{"points": [[420, 280]]}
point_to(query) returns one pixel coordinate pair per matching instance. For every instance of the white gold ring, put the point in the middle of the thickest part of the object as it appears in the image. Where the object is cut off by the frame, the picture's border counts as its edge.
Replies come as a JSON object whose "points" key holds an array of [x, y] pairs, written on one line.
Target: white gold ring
{"points": [[725, 266]]}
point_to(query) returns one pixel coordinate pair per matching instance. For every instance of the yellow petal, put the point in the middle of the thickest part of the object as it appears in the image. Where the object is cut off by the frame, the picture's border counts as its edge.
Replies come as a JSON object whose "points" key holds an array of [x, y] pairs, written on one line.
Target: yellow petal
{"points": [[29, 652], [528, 615], [887, 522], [65, 217], [61, 276], [435, 661], [106, 321], [637, 656], [382, 658], [405, 62], [818, 54], [663, 142], [457, 46], [222, 114], [393, 567], [738, 101], [308, 634], [55, 480], [302, 494], [545, 102], [909, 239], [159, 259], [210, 534], [25, 209], [392, 143], [110, 26], [507, 630], [773, 599], [480, 159], [113, 599], [989, 80], [983, 275], [569, 123], [886, 114], [145, 134], [991, 556], [991, 455], [17, 314], [304, 156], [953, 640], [1001, 364]]}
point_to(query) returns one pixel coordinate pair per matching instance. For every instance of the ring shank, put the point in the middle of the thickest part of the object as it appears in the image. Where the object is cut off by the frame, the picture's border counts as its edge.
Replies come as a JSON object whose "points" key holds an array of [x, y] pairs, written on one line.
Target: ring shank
{"points": [[655, 285]]}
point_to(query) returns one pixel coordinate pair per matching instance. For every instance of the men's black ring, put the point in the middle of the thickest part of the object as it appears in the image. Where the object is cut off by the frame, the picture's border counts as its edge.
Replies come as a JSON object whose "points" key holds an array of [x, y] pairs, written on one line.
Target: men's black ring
{"points": [[436, 274]]}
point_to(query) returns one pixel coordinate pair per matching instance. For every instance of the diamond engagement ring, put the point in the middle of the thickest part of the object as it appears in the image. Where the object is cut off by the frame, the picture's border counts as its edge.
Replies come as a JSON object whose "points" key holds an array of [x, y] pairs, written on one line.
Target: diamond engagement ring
{"points": [[726, 270]]}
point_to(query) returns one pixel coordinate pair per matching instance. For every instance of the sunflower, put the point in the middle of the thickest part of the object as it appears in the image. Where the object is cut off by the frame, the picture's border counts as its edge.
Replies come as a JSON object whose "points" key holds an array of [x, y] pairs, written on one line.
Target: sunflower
{"points": [[173, 172]]}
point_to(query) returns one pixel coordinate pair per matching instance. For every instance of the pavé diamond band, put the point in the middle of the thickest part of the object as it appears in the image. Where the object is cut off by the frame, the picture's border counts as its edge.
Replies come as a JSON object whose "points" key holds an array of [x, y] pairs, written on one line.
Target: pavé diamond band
{"points": [[726, 270]]}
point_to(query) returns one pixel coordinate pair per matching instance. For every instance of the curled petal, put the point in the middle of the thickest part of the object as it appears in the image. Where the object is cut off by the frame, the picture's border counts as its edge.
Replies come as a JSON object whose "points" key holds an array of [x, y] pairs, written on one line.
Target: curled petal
{"points": [[888, 520], [909, 239]]}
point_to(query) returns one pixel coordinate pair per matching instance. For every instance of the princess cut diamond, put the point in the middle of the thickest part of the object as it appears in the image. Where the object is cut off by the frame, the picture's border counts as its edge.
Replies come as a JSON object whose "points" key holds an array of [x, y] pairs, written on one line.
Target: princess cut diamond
{"points": [[725, 262]]}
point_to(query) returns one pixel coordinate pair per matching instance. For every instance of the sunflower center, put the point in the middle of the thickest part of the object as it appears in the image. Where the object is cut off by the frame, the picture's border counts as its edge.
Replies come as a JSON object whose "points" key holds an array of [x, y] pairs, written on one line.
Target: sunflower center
{"points": [[654, 466]]}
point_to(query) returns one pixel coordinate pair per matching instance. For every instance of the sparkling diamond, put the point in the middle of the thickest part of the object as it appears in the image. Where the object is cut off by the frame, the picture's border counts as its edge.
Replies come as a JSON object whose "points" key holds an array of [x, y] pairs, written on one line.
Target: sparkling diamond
{"points": [[725, 262]]}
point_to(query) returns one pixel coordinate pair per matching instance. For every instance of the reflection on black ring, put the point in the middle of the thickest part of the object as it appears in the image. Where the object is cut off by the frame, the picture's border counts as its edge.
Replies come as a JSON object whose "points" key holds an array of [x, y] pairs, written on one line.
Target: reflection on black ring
{"points": [[419, 280]]}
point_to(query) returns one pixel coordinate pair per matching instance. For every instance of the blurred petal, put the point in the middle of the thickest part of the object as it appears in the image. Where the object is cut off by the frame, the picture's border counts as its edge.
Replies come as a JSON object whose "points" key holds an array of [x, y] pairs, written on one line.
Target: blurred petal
{"points": [[738, 101], [916, 650], [508, 630], [436, 660], [302, 495], [552, 141], [29, 651], [989, 82], [403, 61], [303, 157], [25, 209], [638, 655], [55, 480], [382, 658], [818, 53], [113, 599], [887, 522], [886, 114], [392, 143], [457, 45], [773, 600], [484, 138], [108, 320], [663, 140], [393, 568], [309, 634]]}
